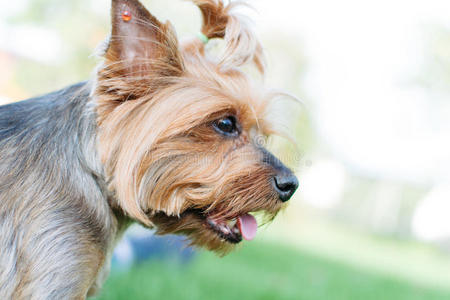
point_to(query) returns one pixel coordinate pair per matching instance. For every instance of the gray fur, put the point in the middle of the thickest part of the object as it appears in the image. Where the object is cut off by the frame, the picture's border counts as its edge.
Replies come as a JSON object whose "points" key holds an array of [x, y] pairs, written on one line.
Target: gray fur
{"points": [[55, 219]]}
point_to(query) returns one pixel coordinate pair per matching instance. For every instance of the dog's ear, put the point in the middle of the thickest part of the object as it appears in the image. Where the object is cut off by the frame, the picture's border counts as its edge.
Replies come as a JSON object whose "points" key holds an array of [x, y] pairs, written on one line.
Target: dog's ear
{"points": [[138, 41]]}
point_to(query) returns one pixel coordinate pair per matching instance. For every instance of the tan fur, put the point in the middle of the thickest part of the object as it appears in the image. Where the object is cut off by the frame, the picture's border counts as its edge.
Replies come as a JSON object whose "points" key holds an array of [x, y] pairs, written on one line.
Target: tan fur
{"points": [[137, 144], [155, 125]]}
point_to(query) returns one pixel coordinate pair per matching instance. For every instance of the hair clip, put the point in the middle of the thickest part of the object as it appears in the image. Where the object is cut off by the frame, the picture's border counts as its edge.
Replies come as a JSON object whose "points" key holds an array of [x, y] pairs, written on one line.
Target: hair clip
{"points": [[203, 38], [126, 16]]}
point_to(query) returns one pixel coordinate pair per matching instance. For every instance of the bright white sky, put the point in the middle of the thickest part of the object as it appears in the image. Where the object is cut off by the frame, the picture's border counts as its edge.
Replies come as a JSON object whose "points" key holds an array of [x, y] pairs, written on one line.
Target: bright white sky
{"points": [[361, 57]]}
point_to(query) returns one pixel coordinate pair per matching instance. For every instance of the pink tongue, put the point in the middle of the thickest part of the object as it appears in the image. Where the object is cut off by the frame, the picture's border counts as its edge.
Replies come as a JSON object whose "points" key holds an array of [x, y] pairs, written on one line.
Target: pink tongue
{"points": [[248, 226]]}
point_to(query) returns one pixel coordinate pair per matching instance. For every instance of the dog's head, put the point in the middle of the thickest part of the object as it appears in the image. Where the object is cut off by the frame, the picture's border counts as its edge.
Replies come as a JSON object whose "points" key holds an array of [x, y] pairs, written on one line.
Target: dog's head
{"points": [[178, 127]]}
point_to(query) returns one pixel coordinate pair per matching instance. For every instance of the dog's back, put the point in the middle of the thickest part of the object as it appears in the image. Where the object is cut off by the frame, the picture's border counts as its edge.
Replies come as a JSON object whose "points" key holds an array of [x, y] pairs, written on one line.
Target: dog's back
{"points": [[27, 117], [44, 180]]}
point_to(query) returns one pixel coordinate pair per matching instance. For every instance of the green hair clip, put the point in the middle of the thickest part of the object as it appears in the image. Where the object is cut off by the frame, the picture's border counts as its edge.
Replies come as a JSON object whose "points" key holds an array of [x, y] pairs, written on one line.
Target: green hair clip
{"points": [[203, 38]]}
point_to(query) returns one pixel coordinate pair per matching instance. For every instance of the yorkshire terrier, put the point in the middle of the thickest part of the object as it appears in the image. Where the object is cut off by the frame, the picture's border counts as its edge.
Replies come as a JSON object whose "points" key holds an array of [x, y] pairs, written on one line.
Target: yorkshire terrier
{"points": [[164, 135]]}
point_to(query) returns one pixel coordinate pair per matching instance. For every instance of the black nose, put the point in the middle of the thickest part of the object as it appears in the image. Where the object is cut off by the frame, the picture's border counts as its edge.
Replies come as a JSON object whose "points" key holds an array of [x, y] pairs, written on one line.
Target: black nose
{"points": [[285, 185]]}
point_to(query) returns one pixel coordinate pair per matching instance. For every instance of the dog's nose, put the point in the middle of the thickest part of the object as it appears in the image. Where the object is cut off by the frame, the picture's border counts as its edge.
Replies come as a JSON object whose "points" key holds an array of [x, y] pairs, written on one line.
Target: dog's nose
{"points": [[285, 185]]}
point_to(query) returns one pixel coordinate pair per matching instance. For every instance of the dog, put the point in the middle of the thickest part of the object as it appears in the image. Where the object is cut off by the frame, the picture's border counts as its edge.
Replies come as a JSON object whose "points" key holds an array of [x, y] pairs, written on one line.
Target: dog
{"points": [[163, 135]]}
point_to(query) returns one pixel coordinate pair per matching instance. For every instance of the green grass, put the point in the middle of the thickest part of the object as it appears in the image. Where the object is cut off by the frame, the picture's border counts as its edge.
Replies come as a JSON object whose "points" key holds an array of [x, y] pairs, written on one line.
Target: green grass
{"points": [[260, 270]]}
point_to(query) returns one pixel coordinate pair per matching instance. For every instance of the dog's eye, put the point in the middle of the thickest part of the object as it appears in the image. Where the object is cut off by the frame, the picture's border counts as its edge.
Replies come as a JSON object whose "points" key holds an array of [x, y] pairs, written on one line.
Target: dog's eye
{"points": [[227, 126]]}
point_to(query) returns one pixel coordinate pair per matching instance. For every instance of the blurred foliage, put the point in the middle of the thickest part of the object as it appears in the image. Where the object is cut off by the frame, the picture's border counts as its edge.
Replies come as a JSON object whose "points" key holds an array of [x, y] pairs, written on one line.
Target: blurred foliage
{"points": [[260, 271], [437, 59], [380, 207], [79, 39], [48, 11]]}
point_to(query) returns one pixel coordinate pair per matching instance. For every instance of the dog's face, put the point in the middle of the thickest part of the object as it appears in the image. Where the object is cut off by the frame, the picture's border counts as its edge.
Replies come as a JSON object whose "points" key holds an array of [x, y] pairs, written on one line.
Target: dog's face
{"points": [[177, 129]]}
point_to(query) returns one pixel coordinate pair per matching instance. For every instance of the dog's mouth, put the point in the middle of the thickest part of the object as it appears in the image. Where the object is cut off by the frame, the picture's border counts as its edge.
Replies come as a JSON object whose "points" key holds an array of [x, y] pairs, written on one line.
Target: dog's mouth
{"points": [[208, 228], [244, 226]]}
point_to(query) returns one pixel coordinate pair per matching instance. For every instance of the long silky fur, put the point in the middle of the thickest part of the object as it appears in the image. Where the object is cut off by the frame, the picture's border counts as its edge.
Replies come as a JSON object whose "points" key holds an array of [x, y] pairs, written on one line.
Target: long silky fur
{"points": [[135, 144]]}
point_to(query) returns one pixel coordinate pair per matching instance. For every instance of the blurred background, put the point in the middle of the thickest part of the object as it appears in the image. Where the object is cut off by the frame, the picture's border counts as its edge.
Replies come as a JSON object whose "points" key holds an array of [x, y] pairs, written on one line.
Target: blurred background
{"points": [[371, 219]]}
